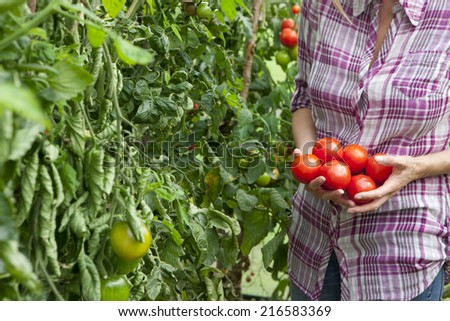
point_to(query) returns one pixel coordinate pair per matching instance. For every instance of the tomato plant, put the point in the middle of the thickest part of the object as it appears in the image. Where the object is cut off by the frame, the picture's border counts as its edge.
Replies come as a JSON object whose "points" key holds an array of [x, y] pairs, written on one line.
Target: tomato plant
{"points": [[115, 288], [125, 244], [355, 156], [337, 175], [295, 9], [379, 173], [327, 149], [288, 37], [359, 183], [305, 168]]}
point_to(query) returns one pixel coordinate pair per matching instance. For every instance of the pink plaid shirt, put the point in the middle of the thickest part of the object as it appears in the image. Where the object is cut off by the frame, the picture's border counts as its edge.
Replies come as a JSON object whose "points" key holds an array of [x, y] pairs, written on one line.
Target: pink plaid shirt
{"points": [[400, 107]]}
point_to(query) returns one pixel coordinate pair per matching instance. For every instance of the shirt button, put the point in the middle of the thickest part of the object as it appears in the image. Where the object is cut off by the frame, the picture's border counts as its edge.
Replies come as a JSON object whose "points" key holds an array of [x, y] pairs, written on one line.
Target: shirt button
{"points": [[361, 85]]}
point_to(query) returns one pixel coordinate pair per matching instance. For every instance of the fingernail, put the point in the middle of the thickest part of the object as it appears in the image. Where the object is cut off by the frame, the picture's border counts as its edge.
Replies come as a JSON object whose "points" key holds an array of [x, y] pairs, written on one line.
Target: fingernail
{"points": [[379, 159], [358, 197]]}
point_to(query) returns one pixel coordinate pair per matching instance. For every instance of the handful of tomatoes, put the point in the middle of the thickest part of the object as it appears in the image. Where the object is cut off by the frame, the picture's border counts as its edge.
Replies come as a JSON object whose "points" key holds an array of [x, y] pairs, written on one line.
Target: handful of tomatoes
{"points": [[348, 168]]}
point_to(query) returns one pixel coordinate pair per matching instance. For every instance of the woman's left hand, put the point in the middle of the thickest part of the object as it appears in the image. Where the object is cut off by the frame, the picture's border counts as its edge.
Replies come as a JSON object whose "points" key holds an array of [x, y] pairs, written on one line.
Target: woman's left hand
{"points": [[404, 171]]}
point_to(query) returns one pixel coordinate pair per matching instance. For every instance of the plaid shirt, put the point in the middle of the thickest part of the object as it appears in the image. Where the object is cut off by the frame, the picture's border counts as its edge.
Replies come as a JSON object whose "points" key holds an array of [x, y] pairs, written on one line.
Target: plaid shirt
{"points": [[400, 107]]}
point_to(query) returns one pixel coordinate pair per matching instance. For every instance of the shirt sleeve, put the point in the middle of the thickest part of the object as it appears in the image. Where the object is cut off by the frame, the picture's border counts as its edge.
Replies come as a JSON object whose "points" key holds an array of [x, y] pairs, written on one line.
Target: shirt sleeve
{"points": [[307, 31]]}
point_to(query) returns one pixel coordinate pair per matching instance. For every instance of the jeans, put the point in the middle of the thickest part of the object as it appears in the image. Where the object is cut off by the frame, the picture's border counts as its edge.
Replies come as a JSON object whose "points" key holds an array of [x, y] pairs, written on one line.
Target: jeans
{"points": [[331, 290]]}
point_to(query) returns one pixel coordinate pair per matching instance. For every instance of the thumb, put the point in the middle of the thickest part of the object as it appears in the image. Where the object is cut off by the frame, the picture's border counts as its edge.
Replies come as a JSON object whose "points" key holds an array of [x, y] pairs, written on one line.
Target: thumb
{"points": [[297, 152], [386, 160]]}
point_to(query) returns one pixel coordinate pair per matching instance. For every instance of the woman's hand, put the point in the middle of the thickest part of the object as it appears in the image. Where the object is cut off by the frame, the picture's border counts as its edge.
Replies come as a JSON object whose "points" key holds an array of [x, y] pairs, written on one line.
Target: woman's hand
{"points": [[404, 171]]}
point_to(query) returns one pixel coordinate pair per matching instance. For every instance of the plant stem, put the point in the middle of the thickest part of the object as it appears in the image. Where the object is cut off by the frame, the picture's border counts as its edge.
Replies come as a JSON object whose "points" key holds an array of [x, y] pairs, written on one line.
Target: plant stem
{"points": [[133, 8], [40, 17]]}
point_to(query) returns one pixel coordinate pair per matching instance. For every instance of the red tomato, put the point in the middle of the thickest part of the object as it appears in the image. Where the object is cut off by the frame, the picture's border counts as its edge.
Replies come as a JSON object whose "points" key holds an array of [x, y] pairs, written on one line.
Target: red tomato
{"points": [[288, 37], [355, 156], [379, 173], [359, 183], [305, 168], [288, 23], [295, 9], [328, 149], [337, 175]]}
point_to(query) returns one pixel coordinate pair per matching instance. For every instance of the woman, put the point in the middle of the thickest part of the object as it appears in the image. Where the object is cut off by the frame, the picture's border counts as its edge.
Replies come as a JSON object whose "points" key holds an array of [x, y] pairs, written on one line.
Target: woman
{"points": [[375, 73]]}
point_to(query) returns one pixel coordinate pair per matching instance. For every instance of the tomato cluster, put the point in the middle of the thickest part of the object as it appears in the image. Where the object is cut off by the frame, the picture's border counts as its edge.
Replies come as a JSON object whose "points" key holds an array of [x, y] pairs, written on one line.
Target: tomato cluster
{"points": [[288, 38], [128, 251], [349, 168]]}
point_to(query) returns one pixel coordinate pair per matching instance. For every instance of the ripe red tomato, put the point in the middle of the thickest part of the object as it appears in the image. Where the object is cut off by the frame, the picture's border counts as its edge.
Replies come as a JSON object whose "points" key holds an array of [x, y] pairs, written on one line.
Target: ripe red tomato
{"points": [[337, 175], [355, 156], [288, 23], [305, 168], [328, 149], [295, 9], [379, 173], [288, 37], [359, 183]]}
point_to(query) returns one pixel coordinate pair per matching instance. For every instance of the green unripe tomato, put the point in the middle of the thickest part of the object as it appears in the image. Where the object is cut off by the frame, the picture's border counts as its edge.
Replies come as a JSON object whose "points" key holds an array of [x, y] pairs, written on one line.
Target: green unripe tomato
{"points": [[115, 288], [293, 52], [263, 180], [282, 58], [204, 11], [125, 245], [122, 266]]}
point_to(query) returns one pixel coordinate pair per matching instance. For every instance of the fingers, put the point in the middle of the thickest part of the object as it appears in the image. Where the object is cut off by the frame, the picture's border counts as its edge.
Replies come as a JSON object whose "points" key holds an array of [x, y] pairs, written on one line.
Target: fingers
{"points": [[336, 196]]}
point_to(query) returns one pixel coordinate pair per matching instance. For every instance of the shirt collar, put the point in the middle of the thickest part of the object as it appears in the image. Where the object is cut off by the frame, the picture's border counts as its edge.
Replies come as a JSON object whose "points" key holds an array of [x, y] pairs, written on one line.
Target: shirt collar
{"points": [[414, 8]]}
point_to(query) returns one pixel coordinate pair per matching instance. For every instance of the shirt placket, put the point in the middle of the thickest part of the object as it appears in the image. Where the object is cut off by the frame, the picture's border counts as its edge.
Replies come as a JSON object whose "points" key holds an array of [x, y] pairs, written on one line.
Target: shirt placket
{"points": [[366, 74]]}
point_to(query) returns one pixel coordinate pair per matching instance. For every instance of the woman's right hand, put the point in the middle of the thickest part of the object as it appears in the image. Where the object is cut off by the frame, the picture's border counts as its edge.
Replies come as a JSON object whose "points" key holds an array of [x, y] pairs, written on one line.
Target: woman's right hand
{"points": [[315, 188]]}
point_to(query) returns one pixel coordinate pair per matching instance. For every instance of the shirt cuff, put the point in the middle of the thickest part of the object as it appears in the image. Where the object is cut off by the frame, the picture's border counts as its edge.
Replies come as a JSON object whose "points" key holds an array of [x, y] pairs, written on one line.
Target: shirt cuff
{"points": [[300, 99]]}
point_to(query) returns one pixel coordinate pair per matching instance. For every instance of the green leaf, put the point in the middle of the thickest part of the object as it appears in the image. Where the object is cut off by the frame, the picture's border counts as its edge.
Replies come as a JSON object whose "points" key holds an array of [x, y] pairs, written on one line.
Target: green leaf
{"points": [[246, 201], [6, 134], [28, 184], [8, 229], [257, 168], [68, 82], [23, 140], [269, 250], [23, 102], [256, 226], [75, 130], [96, 36], [154, 283], [277, 203], [69, 179], [19, 266], [94, 176], [113, 7], [243, 6], [132, 54], [229, 8], [90, 278]]}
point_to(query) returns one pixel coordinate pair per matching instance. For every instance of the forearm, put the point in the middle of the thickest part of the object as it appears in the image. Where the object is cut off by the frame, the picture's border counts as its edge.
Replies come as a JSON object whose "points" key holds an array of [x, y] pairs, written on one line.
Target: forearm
{"points": [[303, 129], [433, 164]]}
